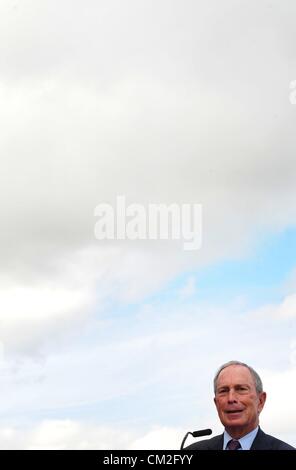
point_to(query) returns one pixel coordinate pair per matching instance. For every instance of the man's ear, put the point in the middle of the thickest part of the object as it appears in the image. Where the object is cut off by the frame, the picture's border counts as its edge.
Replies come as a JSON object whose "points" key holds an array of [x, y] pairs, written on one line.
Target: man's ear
{"points": [[262, 400], [215, 401]]}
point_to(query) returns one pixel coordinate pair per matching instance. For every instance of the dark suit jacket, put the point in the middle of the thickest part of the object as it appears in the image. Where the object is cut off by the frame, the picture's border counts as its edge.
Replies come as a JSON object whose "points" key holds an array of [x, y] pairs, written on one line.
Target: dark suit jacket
{"points": [[262, 441]]}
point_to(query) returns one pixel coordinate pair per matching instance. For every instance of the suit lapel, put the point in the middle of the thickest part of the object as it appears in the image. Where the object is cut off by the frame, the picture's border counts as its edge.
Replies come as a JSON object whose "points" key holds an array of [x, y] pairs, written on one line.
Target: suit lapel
{"points": [[218, 444], [259, 442]]}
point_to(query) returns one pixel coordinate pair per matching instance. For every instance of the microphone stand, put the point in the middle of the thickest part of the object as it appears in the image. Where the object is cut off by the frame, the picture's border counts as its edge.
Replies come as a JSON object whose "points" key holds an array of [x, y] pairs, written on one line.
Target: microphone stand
{"points": [[185, 437], [202, 432]]}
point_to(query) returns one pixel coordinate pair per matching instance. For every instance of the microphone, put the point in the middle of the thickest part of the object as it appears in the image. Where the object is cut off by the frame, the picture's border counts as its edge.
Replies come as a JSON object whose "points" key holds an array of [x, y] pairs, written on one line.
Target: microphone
{"points": [[201, 432]]}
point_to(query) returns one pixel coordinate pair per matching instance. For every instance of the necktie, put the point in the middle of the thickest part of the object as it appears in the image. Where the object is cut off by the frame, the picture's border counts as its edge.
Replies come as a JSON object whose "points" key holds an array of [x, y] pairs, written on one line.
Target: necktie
{"points": [[233, 445]]}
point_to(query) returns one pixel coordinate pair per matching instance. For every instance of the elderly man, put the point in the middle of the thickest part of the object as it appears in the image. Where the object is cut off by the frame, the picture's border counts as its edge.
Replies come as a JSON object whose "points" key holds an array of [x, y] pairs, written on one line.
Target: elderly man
{"points": [[239, 399]]}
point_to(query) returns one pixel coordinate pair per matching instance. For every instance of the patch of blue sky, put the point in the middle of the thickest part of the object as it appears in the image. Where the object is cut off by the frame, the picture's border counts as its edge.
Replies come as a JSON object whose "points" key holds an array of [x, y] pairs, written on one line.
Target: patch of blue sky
{"points": [[132, 410], [249, 282], [259, 278]]}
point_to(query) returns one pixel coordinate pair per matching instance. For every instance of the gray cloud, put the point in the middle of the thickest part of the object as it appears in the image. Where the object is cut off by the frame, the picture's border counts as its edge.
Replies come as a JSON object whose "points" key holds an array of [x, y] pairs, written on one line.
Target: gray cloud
{"points": [[160, 102]]}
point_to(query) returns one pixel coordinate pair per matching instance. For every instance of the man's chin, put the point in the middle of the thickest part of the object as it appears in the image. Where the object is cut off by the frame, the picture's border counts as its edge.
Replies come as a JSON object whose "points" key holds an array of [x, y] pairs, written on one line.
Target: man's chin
{"points": [[236, 430], [236, 419], [235, 425]]}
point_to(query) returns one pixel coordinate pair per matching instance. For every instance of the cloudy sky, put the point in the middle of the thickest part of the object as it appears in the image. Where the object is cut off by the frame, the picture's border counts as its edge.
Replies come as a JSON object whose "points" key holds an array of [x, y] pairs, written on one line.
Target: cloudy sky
{"points": [[114, 343]]}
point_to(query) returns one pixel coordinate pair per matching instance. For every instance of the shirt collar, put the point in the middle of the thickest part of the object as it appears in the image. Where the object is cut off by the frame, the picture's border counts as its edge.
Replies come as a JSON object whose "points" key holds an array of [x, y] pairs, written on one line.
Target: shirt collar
{"points": [[245, 441]]}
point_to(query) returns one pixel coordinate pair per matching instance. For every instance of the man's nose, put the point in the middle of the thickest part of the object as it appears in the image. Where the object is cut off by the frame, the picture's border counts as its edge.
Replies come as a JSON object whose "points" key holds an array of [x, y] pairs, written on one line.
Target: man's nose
{"points": [[232, 396]]}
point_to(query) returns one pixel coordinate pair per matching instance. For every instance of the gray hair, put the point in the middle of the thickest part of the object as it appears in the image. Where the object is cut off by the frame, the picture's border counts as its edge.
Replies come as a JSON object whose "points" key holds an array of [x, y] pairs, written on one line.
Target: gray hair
{"points": [[255, 375]]}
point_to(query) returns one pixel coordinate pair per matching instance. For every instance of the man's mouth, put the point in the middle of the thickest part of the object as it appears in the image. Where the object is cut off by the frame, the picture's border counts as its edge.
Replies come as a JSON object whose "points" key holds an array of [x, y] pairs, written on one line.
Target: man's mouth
{"points": [[233, 412]]}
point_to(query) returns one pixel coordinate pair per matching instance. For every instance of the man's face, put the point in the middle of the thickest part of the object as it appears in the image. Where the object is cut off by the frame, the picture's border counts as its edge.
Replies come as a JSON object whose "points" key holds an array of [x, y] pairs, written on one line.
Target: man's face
{"points": [[237, 401]]}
